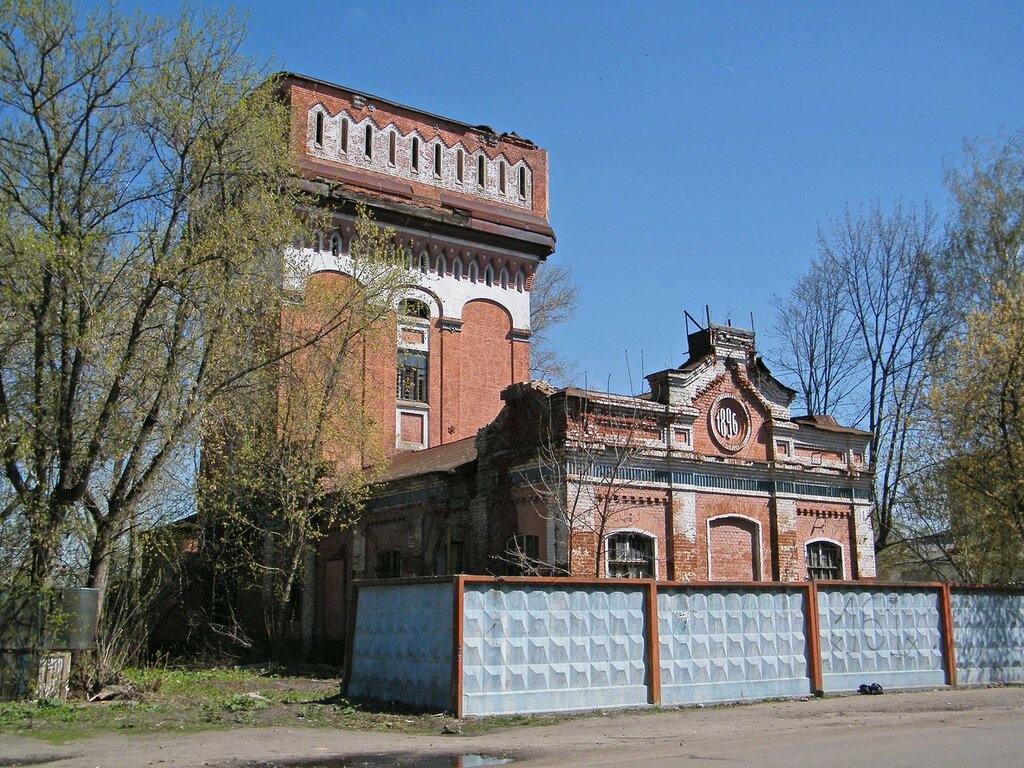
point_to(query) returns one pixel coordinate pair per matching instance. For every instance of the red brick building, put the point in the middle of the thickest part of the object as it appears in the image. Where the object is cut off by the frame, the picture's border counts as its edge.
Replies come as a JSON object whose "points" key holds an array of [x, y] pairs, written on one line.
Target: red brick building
{"points": [[707, 477], [471, 207]]}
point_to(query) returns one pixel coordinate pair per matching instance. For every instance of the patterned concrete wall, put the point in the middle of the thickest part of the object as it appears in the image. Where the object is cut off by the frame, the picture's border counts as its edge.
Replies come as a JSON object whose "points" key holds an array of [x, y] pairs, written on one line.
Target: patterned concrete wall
{"points": [[402, 650], [541, 648], [988, 629], [731, 644], [887, 636]]}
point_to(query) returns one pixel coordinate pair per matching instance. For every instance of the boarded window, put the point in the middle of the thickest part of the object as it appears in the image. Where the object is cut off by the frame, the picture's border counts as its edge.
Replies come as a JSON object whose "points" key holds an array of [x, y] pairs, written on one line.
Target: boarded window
{"points": [[734, 543]]}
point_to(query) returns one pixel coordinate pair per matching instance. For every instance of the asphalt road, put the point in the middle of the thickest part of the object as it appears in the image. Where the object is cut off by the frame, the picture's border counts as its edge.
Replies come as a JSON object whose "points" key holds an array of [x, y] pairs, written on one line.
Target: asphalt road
{"points": [[969, 727]]}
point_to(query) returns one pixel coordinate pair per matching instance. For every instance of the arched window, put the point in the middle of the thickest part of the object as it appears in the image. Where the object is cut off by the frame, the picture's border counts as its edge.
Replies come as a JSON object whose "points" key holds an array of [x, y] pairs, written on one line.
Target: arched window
{"points": [[414, 159], [318, 133], [318, 242], [630, 556], [481, 174], [437, 159], [368, 142], [392, 148], [389, 564], [824, 560], [442, 264], [522, 555], [489, 275], [457, 268], [501, 177], [344, 136], [414, 308], [460, 162], [504, 277], [522, 182], [474, 272], [520, 282], [424, 263], [335, 245]]}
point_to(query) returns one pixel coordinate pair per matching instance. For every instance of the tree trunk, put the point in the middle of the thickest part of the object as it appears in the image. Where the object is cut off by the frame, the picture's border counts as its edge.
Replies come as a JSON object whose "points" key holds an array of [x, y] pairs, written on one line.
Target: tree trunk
{"points": [[99, 561]]}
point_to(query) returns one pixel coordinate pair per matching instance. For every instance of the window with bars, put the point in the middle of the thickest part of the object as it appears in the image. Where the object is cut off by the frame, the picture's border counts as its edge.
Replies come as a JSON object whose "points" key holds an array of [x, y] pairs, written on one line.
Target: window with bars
{"points": [[630, 556], [412, 376], [824, 561]]}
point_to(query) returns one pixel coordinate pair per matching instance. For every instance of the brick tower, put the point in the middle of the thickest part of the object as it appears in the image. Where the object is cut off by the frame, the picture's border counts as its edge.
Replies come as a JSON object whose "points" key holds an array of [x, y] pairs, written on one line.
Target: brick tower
{"points": [[473, 206]]}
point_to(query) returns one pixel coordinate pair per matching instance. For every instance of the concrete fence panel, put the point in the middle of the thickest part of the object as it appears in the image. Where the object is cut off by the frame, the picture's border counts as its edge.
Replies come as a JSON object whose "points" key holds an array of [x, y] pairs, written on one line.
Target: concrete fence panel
{"points": [[543, 647], [891, 636], [478, 645], [731, 644], [402, 647], [988, 628]]}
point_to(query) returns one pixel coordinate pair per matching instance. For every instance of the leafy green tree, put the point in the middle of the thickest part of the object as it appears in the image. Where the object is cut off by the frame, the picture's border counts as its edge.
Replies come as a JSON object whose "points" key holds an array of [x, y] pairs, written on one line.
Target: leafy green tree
{"points": [[292, 456], [978, 402], [145, 208]]}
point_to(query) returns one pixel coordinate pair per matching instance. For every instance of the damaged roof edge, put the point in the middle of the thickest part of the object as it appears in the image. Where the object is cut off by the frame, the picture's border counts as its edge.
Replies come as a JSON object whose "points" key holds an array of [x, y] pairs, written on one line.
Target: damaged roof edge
{"points": [[484, 129]]}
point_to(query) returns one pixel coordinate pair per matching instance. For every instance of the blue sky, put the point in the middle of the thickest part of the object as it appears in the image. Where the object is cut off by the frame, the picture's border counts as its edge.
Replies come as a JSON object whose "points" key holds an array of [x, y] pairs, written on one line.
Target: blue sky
{"points": [[695, 147]]}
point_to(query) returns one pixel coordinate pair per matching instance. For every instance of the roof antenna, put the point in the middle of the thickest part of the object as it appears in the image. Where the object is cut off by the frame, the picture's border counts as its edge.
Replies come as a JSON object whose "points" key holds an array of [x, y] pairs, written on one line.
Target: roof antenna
{"points": [[752, 321], [707, 312]]}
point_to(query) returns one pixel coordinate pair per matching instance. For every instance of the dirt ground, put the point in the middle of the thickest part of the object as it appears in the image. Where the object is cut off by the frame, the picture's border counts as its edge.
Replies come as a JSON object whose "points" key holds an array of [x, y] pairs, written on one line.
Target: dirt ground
{"points": [[967, 727]]}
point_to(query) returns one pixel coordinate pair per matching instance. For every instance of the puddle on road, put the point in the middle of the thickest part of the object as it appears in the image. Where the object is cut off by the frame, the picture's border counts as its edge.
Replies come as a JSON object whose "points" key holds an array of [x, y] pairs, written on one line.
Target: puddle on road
{"points": [[388, 761]]}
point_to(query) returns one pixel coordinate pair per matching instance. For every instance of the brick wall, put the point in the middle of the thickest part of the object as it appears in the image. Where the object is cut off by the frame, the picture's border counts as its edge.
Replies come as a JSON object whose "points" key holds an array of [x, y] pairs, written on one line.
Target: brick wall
{"points": [[304, 95], [486, 364], [757, 446]]}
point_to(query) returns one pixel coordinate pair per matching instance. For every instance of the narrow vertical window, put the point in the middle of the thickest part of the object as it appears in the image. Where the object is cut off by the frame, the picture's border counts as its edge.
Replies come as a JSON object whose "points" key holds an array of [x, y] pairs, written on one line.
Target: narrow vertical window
{"points": [[344, 136], [318, 133], [501, 177], [520, 282], [504, 278], [368, 142], [480, 171], [522, 182], [460, 161], [457, 268], [392, 148], [437, 159], [415, 159], [489, 275], [335, 245]]}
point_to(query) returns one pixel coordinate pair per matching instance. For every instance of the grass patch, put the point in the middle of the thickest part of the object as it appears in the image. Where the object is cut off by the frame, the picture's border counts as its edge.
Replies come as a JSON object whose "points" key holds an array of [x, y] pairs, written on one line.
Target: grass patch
{"points": [[168, 700]]}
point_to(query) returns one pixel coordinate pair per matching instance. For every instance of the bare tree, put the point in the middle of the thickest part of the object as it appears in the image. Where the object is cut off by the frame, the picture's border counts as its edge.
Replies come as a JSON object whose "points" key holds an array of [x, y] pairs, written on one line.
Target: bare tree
{"points": [[879, 320], [582, 479], [818, 339], [553, 301]]}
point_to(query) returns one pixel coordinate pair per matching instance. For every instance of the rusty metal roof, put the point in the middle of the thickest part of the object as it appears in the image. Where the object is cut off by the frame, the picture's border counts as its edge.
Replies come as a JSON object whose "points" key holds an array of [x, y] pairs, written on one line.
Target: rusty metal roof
{"points": [[442, 458]]}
